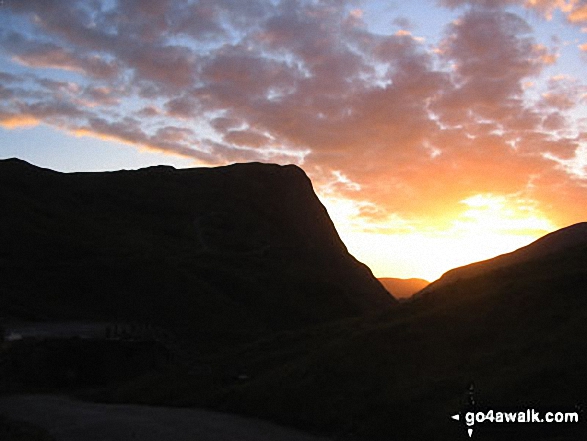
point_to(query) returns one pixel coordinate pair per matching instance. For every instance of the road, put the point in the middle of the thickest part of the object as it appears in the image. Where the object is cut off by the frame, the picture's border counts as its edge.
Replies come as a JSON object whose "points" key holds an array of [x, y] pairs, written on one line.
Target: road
{"points": [[71, 420]]}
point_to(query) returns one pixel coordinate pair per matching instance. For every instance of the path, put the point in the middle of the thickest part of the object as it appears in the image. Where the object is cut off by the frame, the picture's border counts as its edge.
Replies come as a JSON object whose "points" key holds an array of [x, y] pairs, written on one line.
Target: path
{"points": [[71, 420]]}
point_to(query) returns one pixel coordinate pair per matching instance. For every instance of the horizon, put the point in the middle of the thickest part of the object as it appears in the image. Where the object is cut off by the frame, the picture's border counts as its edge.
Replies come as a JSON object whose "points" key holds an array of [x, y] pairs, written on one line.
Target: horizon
{"points": [[436, 133]]}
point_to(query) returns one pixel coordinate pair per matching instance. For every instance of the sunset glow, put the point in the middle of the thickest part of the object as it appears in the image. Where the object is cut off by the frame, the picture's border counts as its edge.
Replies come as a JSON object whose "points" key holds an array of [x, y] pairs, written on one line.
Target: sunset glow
{"points": [[436, 133], [487, 226]]}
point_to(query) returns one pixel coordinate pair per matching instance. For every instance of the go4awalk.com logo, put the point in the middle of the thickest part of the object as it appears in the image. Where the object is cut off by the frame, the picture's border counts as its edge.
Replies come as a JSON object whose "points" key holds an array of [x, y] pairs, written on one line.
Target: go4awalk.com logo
{"points": [[491, 416]]}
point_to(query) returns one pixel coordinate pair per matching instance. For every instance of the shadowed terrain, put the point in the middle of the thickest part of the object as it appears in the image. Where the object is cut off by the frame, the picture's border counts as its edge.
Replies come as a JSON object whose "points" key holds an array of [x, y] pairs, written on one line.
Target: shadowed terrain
{"points": [[71, 420], [517, 333], [245, 264], [556, 242], [216, 255]]}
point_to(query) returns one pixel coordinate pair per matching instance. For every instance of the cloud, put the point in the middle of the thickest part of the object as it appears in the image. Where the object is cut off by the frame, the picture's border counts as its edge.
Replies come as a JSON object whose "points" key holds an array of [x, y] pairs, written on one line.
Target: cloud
{"points": [[554, 121], [181, 107], [149, 112], [479, 3], [480, 45], [8, 78], [578, 14], [547, 7], [574, 10], [246, 138], [102, 96], [14, 121], [170, 139], [40, 54], [169, 67]]}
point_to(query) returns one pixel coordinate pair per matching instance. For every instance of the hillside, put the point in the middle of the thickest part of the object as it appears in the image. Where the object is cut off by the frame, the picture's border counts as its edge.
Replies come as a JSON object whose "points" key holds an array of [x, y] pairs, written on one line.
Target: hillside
{"points": [[555, 242], [220, 255], [403, 288], [516, 333]]}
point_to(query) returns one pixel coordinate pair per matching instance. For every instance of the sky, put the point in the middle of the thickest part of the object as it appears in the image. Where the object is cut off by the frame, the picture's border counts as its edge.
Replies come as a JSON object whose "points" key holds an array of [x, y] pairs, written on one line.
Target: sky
{"points": [[436, 132]]}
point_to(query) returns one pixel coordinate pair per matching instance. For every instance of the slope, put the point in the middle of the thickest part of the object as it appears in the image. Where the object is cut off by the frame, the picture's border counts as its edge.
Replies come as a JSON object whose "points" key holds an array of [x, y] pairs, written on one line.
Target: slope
{"points": [[557, 241], [517, 333]]}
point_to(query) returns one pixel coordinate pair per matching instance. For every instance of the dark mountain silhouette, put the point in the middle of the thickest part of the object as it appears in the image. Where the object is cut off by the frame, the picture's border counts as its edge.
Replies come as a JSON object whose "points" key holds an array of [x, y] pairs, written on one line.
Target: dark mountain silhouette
{"points": [[246, 254], [558, 241], [403, 288], [220, 254], [517, 333]]}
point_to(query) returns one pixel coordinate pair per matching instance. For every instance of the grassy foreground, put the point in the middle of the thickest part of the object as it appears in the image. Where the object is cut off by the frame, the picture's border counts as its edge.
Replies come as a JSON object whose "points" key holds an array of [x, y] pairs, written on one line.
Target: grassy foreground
{"points": [[11, 430], [518, 335]]}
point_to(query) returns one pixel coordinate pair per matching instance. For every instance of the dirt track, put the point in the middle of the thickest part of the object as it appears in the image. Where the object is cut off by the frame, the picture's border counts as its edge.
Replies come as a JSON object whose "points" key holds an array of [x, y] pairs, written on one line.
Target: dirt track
{"points": [[70, 420]]}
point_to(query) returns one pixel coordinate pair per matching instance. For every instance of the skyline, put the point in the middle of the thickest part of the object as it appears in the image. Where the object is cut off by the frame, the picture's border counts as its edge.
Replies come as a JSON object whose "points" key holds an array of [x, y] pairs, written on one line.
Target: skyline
{"points": [[435, 133]]}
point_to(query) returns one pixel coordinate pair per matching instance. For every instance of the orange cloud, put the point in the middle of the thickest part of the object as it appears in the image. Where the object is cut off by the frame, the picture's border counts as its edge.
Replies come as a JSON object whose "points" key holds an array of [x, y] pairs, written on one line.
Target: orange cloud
{"points": [[578, 14], [547, 7], [168, 145], [412, 133], [9, 121], [38, 54]]}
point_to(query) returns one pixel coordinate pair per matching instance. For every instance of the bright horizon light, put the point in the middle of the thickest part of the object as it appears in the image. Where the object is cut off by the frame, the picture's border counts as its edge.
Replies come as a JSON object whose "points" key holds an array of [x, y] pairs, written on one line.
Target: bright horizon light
{"points": [[490, 225]]}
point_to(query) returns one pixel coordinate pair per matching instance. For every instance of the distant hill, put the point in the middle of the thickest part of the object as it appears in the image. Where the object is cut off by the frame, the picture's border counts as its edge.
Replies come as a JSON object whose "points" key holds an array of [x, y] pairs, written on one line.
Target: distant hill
{"points": [[556, 242], [220, 254], [403, 288]]}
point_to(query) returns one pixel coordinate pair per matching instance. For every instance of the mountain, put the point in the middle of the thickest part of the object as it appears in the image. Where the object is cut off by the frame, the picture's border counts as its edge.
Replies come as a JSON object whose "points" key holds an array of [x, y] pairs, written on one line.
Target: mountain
{"points": [[403, 288], [561, 240], [220, 254]]}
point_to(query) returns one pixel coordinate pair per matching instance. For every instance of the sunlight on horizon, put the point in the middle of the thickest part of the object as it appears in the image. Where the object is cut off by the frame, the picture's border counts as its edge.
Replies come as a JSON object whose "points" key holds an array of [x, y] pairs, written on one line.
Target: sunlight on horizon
{"points": [[488, 226]]}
